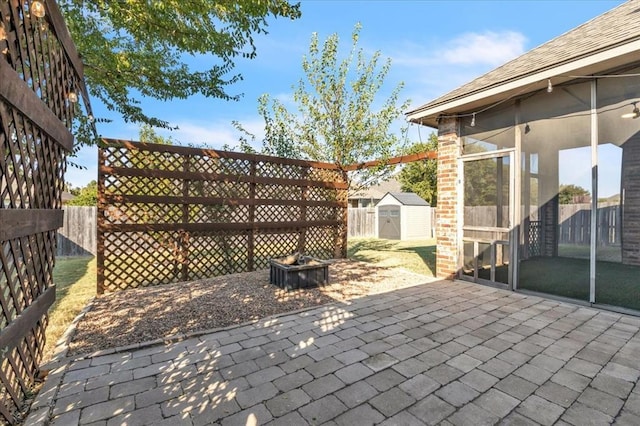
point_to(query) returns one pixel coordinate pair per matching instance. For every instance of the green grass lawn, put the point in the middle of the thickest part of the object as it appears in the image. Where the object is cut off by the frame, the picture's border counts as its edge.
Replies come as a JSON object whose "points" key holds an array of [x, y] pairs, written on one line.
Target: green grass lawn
{"points": [[415, 255], [75, 280], [616, 284]]}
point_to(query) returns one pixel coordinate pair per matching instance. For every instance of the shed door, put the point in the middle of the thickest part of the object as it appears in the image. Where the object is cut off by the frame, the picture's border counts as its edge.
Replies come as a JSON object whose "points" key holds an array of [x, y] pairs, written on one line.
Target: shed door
{"points": [[389, 222]]}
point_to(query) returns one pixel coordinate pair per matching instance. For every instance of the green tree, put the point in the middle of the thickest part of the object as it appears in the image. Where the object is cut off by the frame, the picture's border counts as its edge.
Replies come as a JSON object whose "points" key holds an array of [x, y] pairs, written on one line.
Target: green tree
{"points": [[570, 194], [138, 48], [149, 135], [85, 196], [421, 176], [340, 118]]}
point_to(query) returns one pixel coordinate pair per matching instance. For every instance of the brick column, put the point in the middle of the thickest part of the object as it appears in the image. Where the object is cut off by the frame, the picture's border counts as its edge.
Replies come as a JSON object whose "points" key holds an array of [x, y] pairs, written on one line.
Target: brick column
{"points": [[630, 230], [447, 209]]}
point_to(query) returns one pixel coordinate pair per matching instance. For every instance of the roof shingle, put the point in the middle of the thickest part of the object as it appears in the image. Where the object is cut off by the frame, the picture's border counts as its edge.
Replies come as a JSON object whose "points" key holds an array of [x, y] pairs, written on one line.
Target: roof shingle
{"points": [[616, 27]]}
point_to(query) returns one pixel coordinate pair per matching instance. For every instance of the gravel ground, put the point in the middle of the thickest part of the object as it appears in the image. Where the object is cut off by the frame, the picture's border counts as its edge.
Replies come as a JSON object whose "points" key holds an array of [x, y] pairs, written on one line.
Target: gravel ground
{"points": [[140, 315]]}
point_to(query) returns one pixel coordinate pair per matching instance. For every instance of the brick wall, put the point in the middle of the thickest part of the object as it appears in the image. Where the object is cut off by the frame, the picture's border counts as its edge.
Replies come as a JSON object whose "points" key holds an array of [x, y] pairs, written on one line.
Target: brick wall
{"points": [[631, 207], [446, 211]]}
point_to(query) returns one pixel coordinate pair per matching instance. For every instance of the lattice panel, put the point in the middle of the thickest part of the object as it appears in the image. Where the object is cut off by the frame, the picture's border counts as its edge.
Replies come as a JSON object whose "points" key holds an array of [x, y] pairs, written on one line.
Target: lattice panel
{"points": [[268, 246], [217, 254], [26, 272], [39, 71], [277, 213], [199, 213], [323, 213], [32, 165], [535, 239], [234, 188], [281, 171], [220, 166], [34, 51], [212, 212], [322, 194], [139, 259], [278, 192], [144, 185], [326, 175], [144, 213], [320, 242], [151, 160]]}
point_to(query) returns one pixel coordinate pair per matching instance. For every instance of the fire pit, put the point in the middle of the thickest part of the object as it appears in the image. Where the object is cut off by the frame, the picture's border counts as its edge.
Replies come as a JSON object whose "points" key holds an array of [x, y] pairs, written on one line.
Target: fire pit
{"points": [[296, 271]]}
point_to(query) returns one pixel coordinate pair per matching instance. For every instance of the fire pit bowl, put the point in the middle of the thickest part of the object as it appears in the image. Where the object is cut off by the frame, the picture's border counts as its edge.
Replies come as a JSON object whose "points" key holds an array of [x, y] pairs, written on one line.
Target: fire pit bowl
{"points": [[294, 272]]}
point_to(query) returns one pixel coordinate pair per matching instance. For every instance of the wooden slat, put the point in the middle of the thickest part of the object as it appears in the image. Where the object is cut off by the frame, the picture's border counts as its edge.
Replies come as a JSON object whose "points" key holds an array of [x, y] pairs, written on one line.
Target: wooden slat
{"points": [[252, 216], [432, 155], [18, 94], [213, 201], [36, 71], [16, 223], [58, 26], [12, 334], [214, 153], [62, 34], [206, 227], [218, 177]]}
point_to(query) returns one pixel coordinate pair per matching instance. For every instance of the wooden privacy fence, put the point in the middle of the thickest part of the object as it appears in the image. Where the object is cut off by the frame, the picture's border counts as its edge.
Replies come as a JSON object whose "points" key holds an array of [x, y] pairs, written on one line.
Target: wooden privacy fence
{"points": [[170, 213], [362, 222], [39, 67], [77, 236], [575, 224]]}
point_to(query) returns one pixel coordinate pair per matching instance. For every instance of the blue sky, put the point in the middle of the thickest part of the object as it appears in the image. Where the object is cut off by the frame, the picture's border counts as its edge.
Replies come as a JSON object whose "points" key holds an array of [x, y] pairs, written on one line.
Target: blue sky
{"points": [[434, 46]]}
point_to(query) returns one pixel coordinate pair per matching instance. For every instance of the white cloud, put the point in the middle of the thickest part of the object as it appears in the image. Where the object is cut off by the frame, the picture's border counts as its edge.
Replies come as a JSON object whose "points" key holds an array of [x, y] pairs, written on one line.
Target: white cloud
{"points": [[285, 98], [216, 134], [468, 49], [433, 68], [490, 48]]}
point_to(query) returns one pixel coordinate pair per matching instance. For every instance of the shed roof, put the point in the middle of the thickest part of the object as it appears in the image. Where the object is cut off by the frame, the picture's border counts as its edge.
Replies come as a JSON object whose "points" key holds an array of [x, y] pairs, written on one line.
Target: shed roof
{"points": [[603, 43], [408, 198]]}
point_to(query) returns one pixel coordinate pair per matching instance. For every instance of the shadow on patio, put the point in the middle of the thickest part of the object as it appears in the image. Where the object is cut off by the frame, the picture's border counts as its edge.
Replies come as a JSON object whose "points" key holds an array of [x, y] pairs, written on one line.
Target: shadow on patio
{"points": [[438, 351]]}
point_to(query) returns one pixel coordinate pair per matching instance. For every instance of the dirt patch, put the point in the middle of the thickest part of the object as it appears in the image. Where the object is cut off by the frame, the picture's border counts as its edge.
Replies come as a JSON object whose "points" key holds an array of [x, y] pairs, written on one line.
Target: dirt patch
{"points": [[140, 315]]}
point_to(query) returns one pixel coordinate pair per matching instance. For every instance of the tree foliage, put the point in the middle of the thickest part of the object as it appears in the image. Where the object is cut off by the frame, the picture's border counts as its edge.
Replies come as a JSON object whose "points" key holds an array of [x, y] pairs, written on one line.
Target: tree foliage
{"points": [[85, 196], [570, 194], [339, 118], [149, 135], [139, 48], [481, 184], [421, 177]]}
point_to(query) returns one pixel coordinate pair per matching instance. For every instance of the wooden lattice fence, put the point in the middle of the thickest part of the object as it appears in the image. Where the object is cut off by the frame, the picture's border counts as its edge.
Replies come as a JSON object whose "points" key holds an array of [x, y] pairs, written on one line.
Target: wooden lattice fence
{"points": [[169, 213], [39, 69]]}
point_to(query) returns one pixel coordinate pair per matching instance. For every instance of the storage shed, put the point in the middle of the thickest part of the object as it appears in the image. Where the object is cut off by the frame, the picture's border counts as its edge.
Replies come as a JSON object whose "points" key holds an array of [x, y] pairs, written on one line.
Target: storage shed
{"points": [[403, 216]]}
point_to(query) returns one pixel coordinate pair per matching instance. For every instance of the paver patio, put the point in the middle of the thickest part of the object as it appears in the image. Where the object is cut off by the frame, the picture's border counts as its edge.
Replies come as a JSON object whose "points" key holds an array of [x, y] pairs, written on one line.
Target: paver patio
{"points": [[440, 352]]}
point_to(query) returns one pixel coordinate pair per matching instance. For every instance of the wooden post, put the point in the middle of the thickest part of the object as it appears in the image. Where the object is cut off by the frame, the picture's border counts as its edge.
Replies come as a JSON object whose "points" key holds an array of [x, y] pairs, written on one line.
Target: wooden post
{"points": [[100, 223], [184, 237], [342, 231], [304, 193], [252, 218]]}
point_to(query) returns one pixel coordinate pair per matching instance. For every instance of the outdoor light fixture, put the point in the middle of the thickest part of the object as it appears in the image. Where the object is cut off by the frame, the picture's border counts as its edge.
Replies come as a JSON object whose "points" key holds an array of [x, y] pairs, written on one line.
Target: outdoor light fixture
{"points": [[37, 9], [549, 86], [633, 114], [72, 97], [473, 120], [3, 33]]}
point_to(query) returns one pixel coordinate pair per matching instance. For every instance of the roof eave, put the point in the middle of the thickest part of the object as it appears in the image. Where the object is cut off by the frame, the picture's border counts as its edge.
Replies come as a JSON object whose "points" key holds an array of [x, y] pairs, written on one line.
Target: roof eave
{"points": [[428, 115]]}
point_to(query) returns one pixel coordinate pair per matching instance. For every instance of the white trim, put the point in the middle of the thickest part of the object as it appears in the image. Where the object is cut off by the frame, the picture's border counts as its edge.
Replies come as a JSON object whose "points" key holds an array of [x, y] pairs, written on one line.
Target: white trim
{"points": [[489, 154], [594, 191], [539, 78]]}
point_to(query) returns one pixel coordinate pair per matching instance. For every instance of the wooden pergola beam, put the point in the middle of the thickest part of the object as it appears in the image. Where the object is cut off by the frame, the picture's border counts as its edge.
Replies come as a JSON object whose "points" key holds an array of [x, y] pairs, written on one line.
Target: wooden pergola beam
{"points": [[431, 155]]}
